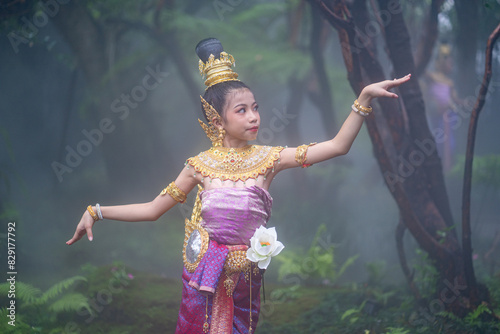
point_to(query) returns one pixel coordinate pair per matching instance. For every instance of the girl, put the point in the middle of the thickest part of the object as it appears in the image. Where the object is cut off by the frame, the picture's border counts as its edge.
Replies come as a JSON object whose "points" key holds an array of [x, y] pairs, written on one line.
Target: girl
{"points": [[220, 284]]}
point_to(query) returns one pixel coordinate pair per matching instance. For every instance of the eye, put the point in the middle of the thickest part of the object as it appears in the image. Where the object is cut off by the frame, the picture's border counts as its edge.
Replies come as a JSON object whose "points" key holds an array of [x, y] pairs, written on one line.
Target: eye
{"points": [[240, 111], [256, 107]]}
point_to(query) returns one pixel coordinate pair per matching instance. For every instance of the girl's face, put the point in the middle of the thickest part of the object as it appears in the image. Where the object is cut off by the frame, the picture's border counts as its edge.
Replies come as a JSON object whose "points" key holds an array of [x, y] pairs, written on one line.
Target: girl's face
{"points": [[241, 118]]}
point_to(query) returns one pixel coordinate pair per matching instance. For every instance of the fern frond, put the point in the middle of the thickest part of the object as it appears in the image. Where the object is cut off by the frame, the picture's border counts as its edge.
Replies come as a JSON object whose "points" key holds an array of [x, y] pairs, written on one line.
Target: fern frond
{"points": [[24, 291], [58, 288], [70, 302], [5, 328]]}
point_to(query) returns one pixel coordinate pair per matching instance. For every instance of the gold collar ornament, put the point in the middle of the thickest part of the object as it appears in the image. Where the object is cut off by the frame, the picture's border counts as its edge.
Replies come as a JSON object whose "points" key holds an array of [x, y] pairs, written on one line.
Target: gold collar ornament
{"points": [[236, 164]]}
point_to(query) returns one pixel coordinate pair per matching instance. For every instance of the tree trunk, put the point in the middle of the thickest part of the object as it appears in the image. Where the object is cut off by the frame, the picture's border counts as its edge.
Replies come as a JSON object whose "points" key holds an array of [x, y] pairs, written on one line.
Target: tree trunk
{"points": [[403, 144]]}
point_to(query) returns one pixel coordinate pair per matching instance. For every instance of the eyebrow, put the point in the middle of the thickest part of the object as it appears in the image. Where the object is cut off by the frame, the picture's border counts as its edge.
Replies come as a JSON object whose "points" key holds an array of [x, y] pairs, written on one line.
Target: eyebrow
{"points": [[243, 104]]}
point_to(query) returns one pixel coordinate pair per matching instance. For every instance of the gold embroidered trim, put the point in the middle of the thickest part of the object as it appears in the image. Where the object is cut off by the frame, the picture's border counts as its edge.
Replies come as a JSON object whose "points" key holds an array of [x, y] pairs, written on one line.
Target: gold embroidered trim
{"points": [[191, 225], [236, 163], [174, 191], [301, 155]]}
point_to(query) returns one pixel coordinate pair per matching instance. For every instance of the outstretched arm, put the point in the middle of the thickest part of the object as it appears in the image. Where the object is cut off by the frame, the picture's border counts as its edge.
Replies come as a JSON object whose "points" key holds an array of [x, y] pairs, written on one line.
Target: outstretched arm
{"points": [[149, 211], [342, 142]]}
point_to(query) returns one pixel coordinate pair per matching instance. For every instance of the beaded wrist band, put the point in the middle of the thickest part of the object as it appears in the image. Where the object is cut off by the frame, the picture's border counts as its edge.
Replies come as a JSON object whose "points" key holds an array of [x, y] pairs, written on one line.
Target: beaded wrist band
{"points": [[358, 108], [92, 213], [98, 209], [175, 192], [301, 155]]}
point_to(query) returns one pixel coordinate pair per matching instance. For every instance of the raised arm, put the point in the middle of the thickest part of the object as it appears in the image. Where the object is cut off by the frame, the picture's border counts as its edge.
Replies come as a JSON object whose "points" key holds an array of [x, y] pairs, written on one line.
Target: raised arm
{"points": [[342, 142], [149, 211]]}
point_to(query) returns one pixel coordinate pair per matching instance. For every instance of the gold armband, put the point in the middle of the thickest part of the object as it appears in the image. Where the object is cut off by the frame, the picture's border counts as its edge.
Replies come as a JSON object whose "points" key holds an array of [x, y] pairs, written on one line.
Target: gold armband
{"points": [[174, 191], [92, 213], [301, 155]]}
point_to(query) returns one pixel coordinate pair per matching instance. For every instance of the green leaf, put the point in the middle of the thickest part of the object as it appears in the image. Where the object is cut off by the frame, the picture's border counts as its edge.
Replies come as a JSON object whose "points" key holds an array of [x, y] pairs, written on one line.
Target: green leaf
{"points": [[58, 288], [24, 292], [349, 312], [70, 302]]}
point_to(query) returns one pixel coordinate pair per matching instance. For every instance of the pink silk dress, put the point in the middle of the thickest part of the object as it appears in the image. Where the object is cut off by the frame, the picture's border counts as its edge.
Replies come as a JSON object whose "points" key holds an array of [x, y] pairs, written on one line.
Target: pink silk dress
{"points": [[230, 216]]}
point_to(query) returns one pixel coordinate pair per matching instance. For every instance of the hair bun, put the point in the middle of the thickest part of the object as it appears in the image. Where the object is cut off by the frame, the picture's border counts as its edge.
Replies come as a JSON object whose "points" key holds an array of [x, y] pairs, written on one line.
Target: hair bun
{"points": [[207, 47]]}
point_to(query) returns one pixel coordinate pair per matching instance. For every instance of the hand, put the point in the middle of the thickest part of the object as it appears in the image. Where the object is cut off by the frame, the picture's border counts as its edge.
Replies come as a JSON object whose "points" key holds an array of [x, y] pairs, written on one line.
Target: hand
{"points": [[84, 226], [380, 89]]}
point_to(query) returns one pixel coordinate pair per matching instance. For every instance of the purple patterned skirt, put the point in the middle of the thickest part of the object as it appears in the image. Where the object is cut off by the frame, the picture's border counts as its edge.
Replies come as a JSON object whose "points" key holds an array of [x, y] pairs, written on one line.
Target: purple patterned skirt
{"points": [[231, 216]]}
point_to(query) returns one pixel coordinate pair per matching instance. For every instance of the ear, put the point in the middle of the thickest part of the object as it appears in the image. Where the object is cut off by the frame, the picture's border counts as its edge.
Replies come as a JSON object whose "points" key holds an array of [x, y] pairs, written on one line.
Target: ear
{"points": [[218, 122]]}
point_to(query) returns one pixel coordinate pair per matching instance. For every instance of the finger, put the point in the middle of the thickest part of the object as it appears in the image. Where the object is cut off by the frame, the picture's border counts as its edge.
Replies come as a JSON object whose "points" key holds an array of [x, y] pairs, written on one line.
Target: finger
{"points": [[72, 240], [77, 236], [397, 82], [89, 233], [389, 94], [402, 79]]}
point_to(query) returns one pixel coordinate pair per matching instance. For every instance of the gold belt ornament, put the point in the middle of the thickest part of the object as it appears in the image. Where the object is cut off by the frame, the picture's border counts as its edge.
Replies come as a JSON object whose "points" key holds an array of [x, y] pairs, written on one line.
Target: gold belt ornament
{"points": [[236, 263]]}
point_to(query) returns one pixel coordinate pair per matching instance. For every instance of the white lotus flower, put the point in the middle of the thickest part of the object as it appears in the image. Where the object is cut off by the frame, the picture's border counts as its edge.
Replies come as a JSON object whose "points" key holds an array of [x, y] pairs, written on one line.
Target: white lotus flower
{"points": [[263, 246]]}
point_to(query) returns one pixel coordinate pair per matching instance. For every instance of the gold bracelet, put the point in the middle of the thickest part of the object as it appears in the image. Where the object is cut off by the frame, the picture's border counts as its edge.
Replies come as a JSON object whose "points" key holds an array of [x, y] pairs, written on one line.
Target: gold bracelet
{"points": [[92, 213], [175, 192], [301, 155], [366, 110]]}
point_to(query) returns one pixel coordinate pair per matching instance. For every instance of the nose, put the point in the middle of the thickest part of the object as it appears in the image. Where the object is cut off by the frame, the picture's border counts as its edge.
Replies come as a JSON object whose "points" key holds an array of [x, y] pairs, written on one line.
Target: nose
{"points": [[253, 116]]}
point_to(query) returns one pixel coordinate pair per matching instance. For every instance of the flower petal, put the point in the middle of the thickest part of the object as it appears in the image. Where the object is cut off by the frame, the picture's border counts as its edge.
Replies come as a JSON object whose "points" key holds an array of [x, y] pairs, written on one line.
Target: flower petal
{"points": [[263, 264], [272, 232], [278, 249], [254, 256], [251, 255], [260, 231], [254, 241]]}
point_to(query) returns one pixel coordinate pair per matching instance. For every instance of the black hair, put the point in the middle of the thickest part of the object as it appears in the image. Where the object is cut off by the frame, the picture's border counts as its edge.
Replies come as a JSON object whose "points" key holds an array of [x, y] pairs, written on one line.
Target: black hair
{"points": [[216, 95]]}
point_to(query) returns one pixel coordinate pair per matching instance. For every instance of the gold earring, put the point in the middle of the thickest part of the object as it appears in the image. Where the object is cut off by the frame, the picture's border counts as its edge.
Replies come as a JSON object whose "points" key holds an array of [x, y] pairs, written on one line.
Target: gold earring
{"points": [[220, 139]]}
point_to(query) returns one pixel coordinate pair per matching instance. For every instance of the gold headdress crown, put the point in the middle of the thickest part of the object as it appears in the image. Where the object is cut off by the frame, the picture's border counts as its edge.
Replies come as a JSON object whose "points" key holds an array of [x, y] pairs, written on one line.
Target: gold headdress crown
{"points": [[213, 133], [215, 71], [218, 70]]}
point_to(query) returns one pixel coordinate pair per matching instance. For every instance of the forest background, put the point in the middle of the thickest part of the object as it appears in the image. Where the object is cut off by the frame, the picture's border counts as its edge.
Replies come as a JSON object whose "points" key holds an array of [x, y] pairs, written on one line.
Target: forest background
{"points": [[100, 100]]}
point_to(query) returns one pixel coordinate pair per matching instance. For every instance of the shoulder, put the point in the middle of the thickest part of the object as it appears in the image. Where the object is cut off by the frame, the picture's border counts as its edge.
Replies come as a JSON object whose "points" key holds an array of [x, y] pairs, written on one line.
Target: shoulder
{"points": [[268, 149]]}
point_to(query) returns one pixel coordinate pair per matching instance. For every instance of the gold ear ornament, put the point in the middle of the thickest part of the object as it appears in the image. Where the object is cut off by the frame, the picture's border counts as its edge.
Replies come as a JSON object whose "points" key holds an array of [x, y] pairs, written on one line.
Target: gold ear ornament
{"points": [[213, 133]]}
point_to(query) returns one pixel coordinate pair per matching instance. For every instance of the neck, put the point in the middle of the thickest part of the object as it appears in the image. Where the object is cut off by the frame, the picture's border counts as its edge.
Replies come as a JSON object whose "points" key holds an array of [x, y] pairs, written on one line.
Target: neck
{"points": [[234, 143]]}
